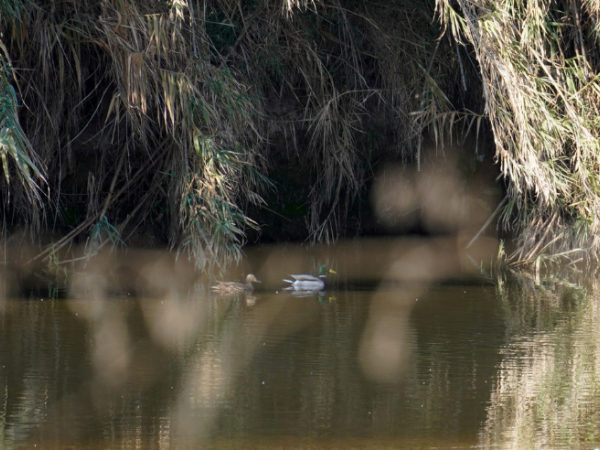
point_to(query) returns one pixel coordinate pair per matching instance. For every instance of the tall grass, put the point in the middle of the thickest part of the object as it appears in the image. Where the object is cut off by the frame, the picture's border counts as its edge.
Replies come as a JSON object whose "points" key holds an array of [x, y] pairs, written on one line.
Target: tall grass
{"points": [[539, 65], [23, 171], [159, 117], [350, 81], [136, 83]]}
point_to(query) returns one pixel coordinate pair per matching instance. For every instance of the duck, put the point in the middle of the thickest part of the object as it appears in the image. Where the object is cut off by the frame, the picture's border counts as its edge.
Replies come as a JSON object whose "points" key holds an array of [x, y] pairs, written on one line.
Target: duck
{"points": [[305, 282], [228, 287]]}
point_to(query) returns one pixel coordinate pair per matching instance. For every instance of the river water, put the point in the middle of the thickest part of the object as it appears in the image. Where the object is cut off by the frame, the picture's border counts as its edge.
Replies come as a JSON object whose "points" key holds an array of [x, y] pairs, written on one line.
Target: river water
{"points": [[468, 362]]}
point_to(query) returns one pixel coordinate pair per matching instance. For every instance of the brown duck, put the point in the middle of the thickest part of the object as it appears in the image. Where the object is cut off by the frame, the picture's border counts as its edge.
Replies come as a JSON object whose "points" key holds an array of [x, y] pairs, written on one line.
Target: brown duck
{"points": [[229, 287]]}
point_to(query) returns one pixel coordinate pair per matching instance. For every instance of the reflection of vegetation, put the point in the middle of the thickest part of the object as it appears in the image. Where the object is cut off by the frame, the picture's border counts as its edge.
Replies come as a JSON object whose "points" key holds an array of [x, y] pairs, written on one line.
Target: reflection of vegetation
{"points": [[183, 360], [200, 366], [546, 392]]}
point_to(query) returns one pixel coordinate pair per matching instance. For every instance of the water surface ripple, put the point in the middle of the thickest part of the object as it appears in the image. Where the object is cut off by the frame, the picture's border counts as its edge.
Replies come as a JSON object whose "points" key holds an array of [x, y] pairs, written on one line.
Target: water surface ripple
{"points": [[457, 365]]}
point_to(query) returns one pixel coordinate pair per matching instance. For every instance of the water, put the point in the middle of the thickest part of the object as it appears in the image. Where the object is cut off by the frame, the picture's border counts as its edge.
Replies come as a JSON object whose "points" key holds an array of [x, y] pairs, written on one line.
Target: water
{"points": [[465, 364]]}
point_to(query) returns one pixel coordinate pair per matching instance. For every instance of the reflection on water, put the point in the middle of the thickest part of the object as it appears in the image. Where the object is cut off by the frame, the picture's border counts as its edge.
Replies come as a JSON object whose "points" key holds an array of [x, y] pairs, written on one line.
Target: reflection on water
{"points": [[466, 364], [547, 389], [286, 369], [142, 355]]}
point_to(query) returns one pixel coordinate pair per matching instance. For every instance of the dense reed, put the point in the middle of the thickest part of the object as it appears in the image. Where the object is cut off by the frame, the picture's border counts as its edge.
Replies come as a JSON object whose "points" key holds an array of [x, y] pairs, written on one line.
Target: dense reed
{"points": [[158, 118], [539, 62], [171, 119]]}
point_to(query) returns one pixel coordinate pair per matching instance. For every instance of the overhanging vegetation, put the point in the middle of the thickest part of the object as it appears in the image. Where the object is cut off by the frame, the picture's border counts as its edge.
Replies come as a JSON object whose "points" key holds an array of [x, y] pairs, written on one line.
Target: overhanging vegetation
{"points": [[539, 62], [171, 119]]}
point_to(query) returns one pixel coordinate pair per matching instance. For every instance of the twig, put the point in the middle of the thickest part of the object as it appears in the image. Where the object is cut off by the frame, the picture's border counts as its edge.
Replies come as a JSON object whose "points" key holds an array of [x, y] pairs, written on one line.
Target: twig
{"points": [[500, 205]]}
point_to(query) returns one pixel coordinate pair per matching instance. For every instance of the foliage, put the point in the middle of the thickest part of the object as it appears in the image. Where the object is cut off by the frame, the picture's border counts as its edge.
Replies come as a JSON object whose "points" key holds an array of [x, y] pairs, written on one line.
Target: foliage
{"points": [[129, 105], [539, 62], [17, 157]]}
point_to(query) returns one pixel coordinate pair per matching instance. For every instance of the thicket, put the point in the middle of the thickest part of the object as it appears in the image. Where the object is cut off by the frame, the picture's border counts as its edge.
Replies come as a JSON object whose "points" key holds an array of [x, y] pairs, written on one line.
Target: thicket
{"points": [[122, 117], [539, 62]]}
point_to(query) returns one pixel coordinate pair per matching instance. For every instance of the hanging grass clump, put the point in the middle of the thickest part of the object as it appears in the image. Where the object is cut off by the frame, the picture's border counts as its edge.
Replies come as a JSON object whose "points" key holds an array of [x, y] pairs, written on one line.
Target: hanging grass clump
{"points": [[168, 119], [539, 65]]}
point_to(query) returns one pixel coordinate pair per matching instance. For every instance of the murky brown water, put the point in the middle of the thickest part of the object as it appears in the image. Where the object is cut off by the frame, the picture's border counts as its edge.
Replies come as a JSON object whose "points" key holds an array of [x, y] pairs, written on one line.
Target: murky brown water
{"points": [[460, 365]]}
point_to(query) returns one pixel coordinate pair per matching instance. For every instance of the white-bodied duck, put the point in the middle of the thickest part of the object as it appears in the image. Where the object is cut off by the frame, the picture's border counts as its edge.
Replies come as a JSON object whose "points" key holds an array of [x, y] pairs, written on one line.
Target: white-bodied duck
{"points": [[310, 282]]}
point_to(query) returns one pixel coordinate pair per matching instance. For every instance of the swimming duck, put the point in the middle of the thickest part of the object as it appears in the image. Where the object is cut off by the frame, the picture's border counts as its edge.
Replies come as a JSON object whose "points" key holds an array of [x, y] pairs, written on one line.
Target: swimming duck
{"points": [[233, 286], [310, 282]]}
